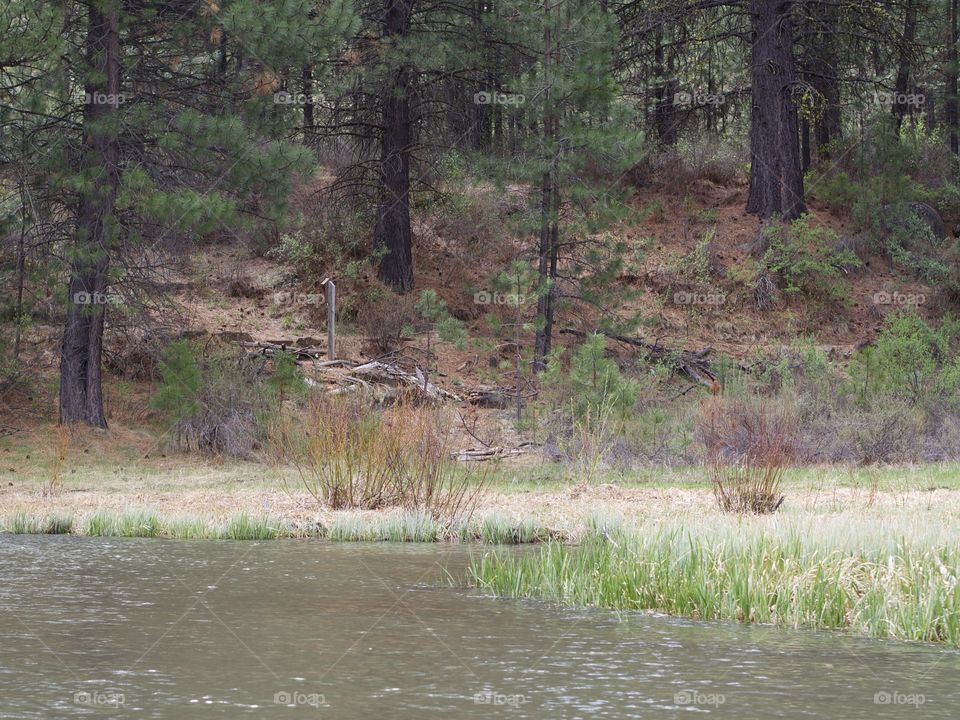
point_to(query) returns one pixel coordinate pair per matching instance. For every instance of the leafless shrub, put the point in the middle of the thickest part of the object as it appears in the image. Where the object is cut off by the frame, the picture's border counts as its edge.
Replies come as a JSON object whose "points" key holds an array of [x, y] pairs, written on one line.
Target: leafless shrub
{"points": [[765, 291], [230, 401], [350, 456], [224, 429], [239, 285], [733, 430], [748, 445], [384, 319], [888, 431]]}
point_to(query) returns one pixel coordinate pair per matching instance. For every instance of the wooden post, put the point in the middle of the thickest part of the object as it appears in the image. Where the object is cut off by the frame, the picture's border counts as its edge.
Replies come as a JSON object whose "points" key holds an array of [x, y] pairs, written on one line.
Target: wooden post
{"points": [[331, 318]]}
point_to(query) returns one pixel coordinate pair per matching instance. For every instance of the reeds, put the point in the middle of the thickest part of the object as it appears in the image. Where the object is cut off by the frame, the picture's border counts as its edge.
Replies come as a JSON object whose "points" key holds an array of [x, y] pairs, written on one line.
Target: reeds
{"points": [[390, 526], [881, 588]]}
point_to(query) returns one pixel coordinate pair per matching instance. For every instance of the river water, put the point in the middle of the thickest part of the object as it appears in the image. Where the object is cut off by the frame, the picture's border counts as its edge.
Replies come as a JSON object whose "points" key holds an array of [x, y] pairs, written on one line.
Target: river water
{"points": [[180, 629]]}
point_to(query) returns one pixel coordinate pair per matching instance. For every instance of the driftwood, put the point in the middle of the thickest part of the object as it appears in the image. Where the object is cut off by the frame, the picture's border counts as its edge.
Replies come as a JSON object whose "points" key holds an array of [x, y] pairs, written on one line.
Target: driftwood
{"points": [[268, 349], [694, 363], [490, 397], [493, 453], [378, 372]]}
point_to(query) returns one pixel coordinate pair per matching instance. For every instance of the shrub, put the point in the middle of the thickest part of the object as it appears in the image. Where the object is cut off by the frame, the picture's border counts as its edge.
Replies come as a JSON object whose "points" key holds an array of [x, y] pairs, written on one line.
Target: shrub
{"points": [[384, 319], [910, 360], [752, 430], [807, 258], [349, 456], [212, 407], [749, 488]]}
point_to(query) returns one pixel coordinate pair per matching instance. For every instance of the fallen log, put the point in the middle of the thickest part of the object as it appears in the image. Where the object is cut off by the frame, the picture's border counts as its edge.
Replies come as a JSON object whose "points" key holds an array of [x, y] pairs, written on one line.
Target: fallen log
{"points": [[694, 363], [493, 453], [269, 349], [490, 397], [378, 372]]}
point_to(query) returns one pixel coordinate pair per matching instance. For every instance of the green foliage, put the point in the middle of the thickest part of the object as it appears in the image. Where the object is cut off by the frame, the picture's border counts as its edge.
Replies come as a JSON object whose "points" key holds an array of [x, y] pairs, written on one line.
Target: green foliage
{"points": [[177, 397], [594, 386], [286, 378], [911, 360], [806, 257], [433, 310]]}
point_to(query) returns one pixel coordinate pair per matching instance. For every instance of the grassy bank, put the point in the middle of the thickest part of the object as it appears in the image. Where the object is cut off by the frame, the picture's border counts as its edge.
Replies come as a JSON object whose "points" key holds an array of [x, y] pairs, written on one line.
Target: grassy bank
{"points": [[344, 527], [883, 580]]}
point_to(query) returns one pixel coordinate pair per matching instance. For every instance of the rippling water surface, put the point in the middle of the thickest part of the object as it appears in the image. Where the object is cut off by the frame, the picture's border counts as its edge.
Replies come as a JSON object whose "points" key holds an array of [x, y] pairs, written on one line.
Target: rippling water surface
{"points": [[175, 629]]}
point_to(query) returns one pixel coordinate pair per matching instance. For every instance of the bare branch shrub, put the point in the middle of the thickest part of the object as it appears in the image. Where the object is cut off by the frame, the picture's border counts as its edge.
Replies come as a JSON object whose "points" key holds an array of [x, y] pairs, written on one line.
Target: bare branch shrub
{"points": [[349, 456], [749, 445]]}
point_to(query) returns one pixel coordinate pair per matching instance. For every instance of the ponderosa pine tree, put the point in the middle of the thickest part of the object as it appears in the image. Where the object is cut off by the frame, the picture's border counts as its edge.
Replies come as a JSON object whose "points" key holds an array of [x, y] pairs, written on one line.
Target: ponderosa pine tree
{"points": [[158, 130]]}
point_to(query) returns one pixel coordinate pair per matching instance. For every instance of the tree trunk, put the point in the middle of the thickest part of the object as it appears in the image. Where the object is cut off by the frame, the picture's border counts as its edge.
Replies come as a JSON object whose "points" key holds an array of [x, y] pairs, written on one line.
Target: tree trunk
{"points": [[665, 115], [392, 234], [546, 263], [81, 395], [823, 77], [953, 117], [900, 105], [309, 125], [776, 177]]}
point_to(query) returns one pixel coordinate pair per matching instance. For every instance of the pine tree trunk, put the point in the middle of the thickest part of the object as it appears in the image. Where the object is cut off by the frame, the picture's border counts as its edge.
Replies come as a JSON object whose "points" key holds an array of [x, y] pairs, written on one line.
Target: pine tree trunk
{"points": [[776, 178], [546, 264], [81, 395], [823, 78], [953, 117], [665, 116], [904, 70], [392, 234]]}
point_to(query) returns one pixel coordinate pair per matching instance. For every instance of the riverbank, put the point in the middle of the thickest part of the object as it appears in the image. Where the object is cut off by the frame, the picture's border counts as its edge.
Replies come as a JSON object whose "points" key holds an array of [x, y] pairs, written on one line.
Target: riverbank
{"points": [[533, 501], [893, 576], [869, 550]]}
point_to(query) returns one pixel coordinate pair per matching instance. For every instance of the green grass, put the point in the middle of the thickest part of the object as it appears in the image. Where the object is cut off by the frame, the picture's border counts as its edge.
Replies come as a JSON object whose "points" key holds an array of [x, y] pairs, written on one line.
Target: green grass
{"points": [[501, 530], [22, 524], [346, 527], [140, 523], [395, 527], [243, 527], [868, 581]]}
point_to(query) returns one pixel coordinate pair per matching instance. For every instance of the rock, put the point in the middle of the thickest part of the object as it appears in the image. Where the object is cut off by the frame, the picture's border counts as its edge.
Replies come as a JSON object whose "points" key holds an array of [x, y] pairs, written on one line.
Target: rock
{"points": [[930, 217]]}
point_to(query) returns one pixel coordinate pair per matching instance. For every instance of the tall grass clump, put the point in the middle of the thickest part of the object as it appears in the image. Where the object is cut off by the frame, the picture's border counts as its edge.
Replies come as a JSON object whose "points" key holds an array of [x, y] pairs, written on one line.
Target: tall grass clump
{"points": [[138, 523], [23, 524], [781, 576], [244, 527], [349, 456], [394, 527]]}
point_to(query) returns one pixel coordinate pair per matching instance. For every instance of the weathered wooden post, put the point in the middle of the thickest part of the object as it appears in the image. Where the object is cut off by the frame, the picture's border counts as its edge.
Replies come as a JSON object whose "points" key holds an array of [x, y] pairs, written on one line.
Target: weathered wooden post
{"points": [[331, 318]]}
